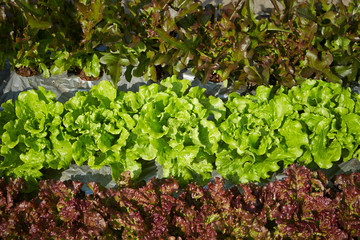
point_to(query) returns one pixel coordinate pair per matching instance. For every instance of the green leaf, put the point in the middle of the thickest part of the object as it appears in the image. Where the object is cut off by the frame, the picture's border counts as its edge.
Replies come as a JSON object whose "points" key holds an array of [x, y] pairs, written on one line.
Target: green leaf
{"points": [[129, 121], [46, 96], [295, 137], [35, 125], [36, 23], [216, 107], [114, 63], [324, 150], [352, 121], [281, 107], [121, 141], [181, 3], [177, 107], [121, 165], [209, 136], [104, 141], [32, 163], [244, 168], [151, 74], [197, 92], [171, 40], [114, 59], [7, 115], [45, 70], [62, 150], [253, 75], [83, 150], [140, 47], [189, 8], [263, 93], [179, 163], [152, 116], [105, 92], [145, 147], [10, 137], [322, 65], [306, 13], [92, 66]]}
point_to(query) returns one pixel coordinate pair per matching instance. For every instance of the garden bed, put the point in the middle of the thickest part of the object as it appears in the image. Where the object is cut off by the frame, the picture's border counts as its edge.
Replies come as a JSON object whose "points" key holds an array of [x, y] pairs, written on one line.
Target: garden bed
{"points": [[184, 93]]}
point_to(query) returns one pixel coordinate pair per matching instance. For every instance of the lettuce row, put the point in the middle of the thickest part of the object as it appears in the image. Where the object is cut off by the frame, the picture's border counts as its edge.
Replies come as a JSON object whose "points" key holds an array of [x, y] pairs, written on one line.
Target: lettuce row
{"points": [[101, 127], [159, 121], [188, 133]]}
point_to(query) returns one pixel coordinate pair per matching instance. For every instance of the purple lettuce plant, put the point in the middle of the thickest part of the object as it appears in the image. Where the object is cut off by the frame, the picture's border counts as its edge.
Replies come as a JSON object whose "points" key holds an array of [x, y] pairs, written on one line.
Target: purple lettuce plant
{"points": [[303, 205]]}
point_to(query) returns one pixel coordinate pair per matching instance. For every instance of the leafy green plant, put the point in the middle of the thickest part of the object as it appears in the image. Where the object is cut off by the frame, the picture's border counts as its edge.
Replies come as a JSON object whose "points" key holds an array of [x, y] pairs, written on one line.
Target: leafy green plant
{"points": [[99, 129], [332, 113], [5, 29], [153, 39], [160, 122], [123, 35], [150, 26], [123, 56], [260, 132], [173, 46], [38, 29], [312, 39], [313, 122], [29, 44], [223, 48], [33, 136], [335, 39], [81, 53], [77, 61], [172, 128]]}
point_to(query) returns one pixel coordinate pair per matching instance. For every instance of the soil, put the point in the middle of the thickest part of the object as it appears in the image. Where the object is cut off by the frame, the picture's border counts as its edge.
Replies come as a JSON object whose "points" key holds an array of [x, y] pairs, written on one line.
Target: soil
{"points": [[214, 77], [160, 73], [26, 71], [81, 74]]}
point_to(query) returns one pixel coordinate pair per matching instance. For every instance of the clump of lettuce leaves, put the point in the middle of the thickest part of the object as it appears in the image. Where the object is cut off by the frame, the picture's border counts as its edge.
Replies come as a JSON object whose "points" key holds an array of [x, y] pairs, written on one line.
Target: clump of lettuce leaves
{"points": [[313, 122], [99, 128], [173, 127], [33, 136], [259, 132]]}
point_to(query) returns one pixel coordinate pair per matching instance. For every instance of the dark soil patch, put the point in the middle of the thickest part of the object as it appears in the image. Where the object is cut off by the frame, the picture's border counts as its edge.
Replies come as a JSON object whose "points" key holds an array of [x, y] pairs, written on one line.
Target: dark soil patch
{"points": [[81, 74], [26, 71], [160, 73], [214, 77]]}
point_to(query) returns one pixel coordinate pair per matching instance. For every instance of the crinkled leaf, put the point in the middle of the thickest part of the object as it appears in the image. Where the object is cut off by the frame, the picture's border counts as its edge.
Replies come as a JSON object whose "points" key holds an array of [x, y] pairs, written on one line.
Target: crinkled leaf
{"points": [[105, 92], [83, 150], [92, 66], [323, 149]]}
